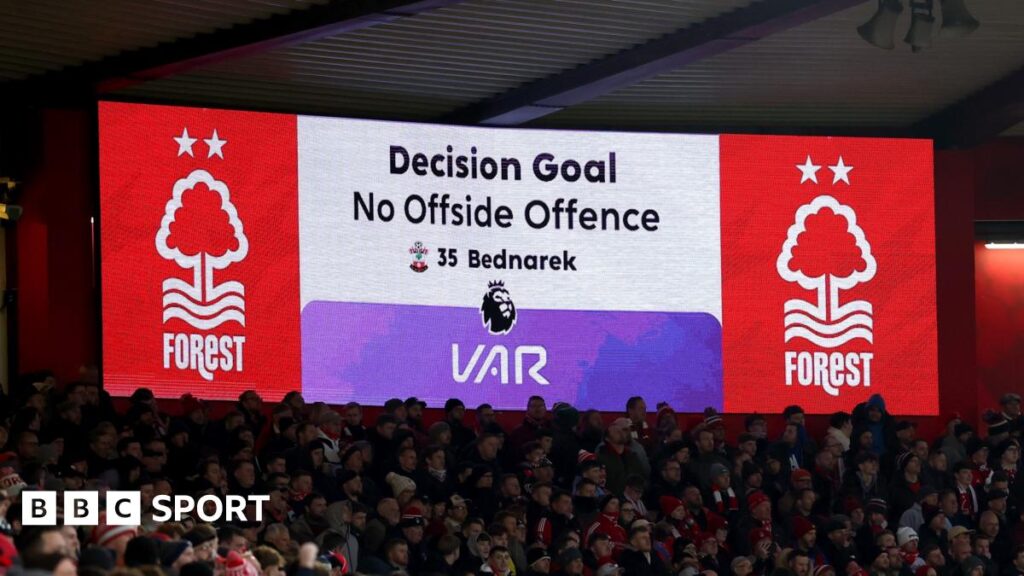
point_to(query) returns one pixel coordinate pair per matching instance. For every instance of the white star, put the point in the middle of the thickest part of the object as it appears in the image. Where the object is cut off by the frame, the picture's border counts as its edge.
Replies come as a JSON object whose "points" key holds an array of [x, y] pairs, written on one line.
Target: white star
{"points": [[185, 143], [841, 172], [808, 171], [215, 144]]}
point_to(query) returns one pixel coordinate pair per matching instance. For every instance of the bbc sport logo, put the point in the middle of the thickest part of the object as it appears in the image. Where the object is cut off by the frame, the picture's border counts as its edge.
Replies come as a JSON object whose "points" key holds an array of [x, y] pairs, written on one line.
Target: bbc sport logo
{"points": [[124, 508]]}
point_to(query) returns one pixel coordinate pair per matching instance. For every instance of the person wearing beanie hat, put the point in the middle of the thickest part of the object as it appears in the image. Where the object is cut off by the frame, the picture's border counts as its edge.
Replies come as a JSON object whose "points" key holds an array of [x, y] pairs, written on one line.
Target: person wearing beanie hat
{"points": [[670, 505], [234, 564], [665, 422], [204, 542], [568, 558], [914, 516], [972, 566], [402, 487], [804, 533], [454, 414], [538, 561], [801, 479], [607, 522], [756, 499], [95, 558], [142, 551], [712, 418], [723, 497], [175, 554], [906, 482], [851, 504], [905, 535], [907, 540], [758, 516], [336, 561], [567, 417], [113, 538]]}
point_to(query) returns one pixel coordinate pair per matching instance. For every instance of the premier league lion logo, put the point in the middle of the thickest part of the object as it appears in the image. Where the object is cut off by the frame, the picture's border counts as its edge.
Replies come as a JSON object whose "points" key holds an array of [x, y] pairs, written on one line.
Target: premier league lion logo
{"points": [[498, 312]]}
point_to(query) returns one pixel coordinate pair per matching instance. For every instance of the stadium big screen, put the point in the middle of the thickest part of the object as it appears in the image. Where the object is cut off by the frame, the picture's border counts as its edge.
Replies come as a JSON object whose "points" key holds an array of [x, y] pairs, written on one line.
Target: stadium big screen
{"points": [[363, 260]]}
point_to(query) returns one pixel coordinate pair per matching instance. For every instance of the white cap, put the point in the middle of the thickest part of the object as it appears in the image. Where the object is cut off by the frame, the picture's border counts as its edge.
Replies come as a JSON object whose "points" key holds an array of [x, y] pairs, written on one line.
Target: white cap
{"points": [[905, 534]]}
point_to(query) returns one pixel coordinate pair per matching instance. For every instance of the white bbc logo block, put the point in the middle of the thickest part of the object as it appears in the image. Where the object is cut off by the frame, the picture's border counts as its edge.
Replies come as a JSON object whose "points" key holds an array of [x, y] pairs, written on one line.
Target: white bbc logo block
{"points": [[39, 508], [81, 508], [124, 508]]}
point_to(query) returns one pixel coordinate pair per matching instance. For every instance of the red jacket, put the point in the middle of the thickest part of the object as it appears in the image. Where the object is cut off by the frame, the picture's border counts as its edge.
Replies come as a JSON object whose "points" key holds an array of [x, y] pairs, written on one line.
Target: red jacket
{"points": [[606, 524]]}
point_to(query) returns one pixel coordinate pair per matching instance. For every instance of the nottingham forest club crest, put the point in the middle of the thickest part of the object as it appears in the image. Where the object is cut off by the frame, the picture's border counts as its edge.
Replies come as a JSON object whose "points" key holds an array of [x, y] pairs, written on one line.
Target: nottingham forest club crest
{"points": [[201, 231]]}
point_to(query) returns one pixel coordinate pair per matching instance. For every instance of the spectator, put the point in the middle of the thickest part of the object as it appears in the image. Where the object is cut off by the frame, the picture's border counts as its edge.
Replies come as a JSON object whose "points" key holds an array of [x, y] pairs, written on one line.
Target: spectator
{"points": [[639, 559], [636, 411], [840, 429], [619, 455], [954, 444], [913, 517], [1016, 567], [706, 458], [432, 498], [872, 417]]}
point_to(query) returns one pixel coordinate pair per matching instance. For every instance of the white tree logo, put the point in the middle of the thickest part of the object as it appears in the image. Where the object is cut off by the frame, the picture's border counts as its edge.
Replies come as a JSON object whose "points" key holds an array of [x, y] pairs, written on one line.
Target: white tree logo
{"points": [[826, 251], [203, 242]]}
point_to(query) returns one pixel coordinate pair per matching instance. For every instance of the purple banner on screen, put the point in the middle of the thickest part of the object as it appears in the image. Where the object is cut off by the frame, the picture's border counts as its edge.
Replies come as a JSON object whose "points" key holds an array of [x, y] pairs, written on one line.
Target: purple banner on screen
{"points": [[369, 353]]}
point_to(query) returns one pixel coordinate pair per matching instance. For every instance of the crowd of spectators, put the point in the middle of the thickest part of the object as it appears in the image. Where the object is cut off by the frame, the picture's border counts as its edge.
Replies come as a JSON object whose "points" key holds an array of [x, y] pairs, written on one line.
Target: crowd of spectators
{"points": [[563, 492]]}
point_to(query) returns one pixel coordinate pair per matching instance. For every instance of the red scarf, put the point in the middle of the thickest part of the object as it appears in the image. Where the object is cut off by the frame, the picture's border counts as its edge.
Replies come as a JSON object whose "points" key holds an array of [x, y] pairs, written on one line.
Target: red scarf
{"points": [[966, 501], [725, 502], [688, 528], [979, 475]]}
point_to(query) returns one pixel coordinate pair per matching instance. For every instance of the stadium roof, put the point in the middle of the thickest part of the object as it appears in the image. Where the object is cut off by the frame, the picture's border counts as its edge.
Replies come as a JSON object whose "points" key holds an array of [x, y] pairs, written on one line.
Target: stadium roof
{"points": [[780, 66]]}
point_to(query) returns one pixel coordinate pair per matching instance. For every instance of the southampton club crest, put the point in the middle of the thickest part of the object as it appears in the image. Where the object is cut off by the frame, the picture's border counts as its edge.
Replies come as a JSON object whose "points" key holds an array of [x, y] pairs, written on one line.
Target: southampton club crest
{"points": [[498, 312], [419, 253]]}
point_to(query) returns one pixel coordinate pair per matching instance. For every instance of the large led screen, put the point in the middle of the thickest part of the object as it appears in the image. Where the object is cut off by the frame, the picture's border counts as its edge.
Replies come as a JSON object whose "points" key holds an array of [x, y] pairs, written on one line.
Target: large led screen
{"points": [[364, 260]]}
